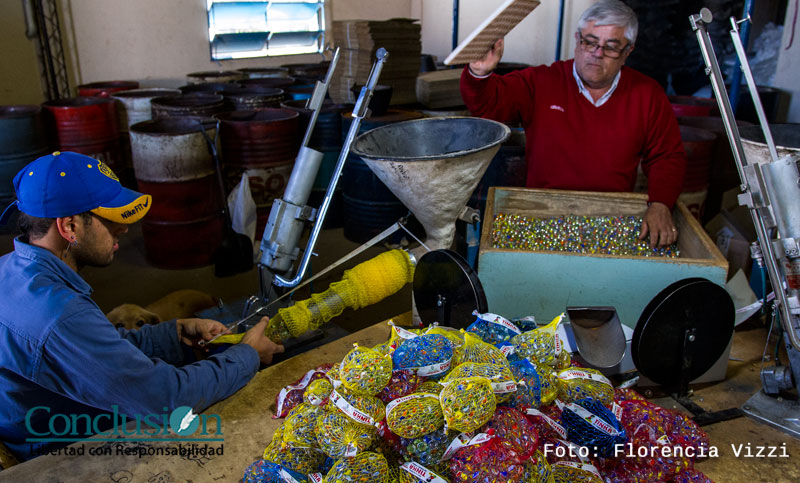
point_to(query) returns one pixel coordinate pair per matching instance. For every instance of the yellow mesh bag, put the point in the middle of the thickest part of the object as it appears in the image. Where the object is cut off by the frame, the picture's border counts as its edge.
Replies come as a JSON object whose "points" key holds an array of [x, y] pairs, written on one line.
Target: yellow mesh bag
{"points": [[414, 415], [365, 371], [467, 403], [317, 392], [563, 360], [476, 350], [302, 460], [338, 436], [364, 410], [413, 472], [367, 467], [549, 384], [540, 345], [300, 424], [455, 337], [500, 376], [431, 387], [334, 372], [580, 383]]}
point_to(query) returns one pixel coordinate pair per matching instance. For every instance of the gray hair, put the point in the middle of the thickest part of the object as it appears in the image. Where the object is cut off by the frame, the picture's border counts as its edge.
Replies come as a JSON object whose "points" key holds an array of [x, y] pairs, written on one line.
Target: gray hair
{"points": [[611, 12]]}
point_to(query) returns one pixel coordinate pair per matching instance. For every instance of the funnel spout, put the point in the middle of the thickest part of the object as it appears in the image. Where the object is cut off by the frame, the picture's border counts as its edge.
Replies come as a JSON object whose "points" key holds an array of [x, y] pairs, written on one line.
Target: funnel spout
{"points": [[432, 165]]}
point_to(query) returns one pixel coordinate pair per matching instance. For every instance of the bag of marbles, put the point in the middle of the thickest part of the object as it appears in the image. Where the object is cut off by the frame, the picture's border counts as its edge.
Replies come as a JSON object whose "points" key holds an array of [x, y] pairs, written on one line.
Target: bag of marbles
{"points": [[468, 403], [317, 392], [263, 471], [365, 371], [364, 410], [367, 467], [541, 345], [476, 350], [292, 395], [538, 470], [402, 383], [591, 424], [548, 428], [302, 460], [432, 387], [536, 385], [414, 415], [486, 462], [455, 336], [429, 355], [514, 430], [300, 424], [338, 436], [492, 328], [567, 472], [500, 376], [575, 384], [426, 450]]}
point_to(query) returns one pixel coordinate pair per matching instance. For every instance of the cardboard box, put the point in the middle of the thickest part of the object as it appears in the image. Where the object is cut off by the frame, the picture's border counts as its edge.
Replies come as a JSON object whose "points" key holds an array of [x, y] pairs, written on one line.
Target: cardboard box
{"points": [[732, 231]]}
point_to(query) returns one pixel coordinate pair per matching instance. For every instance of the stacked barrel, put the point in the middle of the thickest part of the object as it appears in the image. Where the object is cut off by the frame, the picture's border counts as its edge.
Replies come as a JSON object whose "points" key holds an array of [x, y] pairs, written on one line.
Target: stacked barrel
{"points": [[22, 139]]}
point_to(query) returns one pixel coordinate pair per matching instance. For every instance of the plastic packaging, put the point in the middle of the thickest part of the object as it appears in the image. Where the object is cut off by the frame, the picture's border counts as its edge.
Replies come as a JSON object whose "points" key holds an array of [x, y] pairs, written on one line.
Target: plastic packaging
{"points": [[317, 392], [292, 395], [467, 403], [365, 371], [500, 376], [514, 431], [535, 385], [591, 424], [413, 472], [487, 462], [541, 345], [263, 471], [364, 410]]}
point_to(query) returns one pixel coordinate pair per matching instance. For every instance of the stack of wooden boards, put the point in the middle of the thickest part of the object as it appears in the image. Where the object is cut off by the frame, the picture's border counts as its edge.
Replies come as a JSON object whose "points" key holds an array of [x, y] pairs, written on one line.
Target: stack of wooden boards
{"points": [[439, 88], [359, 40]]}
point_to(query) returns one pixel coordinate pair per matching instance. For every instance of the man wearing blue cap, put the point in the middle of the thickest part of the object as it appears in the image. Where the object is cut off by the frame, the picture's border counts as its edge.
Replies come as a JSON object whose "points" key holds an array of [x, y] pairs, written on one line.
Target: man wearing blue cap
{"points": [[59, 355]]}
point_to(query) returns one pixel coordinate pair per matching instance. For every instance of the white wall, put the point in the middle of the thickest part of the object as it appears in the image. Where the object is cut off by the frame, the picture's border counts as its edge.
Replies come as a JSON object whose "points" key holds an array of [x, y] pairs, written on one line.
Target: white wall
{"points": [[533, 41], [19, 71], [789, 63]]}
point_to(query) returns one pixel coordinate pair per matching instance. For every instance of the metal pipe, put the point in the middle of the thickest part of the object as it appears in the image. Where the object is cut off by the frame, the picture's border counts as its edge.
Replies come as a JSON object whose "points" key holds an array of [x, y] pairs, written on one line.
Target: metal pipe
{"points": [[359, 112], [560, 30], [736, 78], [455, 24]]}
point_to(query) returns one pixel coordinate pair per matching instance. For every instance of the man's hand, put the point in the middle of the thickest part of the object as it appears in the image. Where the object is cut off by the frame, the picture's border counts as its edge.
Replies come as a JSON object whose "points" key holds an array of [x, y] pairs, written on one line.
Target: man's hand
{"points": [[192, 331], [256, 339], [489, 62], [658, 223]]}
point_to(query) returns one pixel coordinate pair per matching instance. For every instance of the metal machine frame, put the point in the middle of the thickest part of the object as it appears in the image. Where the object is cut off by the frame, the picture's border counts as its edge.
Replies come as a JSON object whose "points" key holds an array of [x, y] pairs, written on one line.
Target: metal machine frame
{"points": [[772, 193]]}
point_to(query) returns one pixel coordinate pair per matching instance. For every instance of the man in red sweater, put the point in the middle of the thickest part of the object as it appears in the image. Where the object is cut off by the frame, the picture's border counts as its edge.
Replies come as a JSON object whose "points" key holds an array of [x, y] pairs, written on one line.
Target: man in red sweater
{"points": [[590, 121]]}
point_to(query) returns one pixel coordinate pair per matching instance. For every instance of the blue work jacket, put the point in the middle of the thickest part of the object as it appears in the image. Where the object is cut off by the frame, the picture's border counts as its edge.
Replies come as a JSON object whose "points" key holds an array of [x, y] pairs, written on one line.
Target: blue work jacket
{"points": [[59, 351]]}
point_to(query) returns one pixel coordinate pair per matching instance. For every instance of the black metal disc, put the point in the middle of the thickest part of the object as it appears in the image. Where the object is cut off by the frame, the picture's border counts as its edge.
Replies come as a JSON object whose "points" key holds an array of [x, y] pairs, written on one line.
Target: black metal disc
{"points": [[693, 306], [447, 290]]}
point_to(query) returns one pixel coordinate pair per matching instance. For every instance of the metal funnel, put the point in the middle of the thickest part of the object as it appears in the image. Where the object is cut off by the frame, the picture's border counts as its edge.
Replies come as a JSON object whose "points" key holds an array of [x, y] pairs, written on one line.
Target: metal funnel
{"points": [[432, 165]]}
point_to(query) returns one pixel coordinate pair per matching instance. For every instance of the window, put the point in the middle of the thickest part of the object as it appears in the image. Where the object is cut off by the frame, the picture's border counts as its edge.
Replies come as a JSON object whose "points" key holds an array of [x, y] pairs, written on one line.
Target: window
{"points": [[239, 29]]}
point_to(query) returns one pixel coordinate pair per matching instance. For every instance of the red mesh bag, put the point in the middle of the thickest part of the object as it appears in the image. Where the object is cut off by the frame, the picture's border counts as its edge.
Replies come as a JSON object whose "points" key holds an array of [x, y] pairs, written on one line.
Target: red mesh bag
{"points": [[292, 395], [488, 462], [514, 431]]}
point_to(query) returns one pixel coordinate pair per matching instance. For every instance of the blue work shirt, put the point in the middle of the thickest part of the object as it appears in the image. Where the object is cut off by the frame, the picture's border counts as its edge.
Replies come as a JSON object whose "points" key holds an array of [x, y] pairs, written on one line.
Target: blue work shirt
{"points": [[58, 350]]}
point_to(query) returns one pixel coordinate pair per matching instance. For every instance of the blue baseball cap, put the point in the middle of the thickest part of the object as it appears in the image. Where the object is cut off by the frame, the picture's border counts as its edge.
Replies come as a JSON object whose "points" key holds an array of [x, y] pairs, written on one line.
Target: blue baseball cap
{"points": [[66, 184]]}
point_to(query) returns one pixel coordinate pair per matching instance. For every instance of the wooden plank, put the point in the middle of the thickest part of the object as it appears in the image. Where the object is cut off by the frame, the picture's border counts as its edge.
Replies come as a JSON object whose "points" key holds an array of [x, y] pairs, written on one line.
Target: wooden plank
{"points": [[496, 26]]}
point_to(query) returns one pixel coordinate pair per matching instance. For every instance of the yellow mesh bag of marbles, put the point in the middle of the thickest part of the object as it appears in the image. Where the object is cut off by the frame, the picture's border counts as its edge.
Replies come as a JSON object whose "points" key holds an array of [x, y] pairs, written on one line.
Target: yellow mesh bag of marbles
{"points": [[317, 392], [365, 371], [476, 350], [364, 410], [467, 403], [339, 437], [580, 383], [367, 467], [500, 376], [414, 415], [300, 424], [541, 345]]}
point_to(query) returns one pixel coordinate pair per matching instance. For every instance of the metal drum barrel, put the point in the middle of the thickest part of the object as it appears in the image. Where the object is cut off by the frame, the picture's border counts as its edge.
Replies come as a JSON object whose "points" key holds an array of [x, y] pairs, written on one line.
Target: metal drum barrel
{"points": [[264, 145], [86, 125], [136, 104], [105, 88], [22, 139], [171, 159], [187, 105], [259, 72], [693, 106], [206, 88], [245, 99], [368, 205], [213, 76], [274, 82]]}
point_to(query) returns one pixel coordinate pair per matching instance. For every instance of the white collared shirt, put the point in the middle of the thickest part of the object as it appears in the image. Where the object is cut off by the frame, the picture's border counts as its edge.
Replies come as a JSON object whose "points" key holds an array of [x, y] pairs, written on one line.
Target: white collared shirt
{"points": [[583, 90]]}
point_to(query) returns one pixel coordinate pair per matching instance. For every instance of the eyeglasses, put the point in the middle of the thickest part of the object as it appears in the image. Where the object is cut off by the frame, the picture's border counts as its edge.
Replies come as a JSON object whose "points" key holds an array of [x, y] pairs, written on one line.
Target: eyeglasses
{"points": [[591, 46]]}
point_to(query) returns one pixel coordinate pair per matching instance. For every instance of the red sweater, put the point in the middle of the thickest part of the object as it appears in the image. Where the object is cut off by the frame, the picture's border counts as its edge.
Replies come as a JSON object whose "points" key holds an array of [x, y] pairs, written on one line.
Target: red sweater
{"points": [[574, 145]]}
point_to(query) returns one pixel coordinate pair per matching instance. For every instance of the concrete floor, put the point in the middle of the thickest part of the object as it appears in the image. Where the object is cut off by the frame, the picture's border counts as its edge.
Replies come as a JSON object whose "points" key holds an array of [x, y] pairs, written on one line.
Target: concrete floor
{"points": [[132, 279]]}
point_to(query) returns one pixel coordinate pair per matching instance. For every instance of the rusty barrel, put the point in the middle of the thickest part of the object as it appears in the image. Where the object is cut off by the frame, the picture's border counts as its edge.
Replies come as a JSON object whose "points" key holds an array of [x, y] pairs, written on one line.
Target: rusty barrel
{"points": [[136, 104], [259, 72], [316, 70], [213, 76], [263, 144], [369, 207], [205, 105], [22, 139], [725, 175], [693, 106], [86, 125], [206, 88], [105, 88], [274, 82], [172, 163], [699, 147], [238, 98]]}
